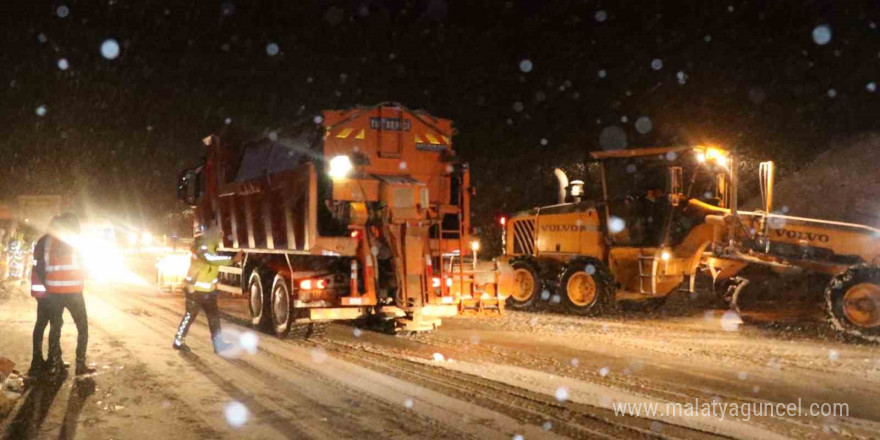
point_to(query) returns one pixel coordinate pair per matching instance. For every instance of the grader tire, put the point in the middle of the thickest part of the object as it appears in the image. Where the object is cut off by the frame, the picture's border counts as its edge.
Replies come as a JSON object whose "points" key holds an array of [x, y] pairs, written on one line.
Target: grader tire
{"points": [[528, 286], [587, 287], [852, 300]]}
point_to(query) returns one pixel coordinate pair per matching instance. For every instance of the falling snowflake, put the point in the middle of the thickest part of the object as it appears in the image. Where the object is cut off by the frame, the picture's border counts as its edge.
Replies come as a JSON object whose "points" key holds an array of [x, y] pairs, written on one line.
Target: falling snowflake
{"points": [[730, 321], [832, 93], [518, 106], [604, 371], [236, 414], [602, 73], [561, 394], [631, 168], [318, 119], [871, 87], [227, 121], [644, 125], [544, 141], [62, 11], [249, 342], [601, 16], [590, 269], [438, 357], [616, 225], [657, 64], [833, 355], [63, 64], [525, 65], [41, 110], [408, 403], [742, 375], [110, 49], [822, 34], [272, 49], [318, 355]]}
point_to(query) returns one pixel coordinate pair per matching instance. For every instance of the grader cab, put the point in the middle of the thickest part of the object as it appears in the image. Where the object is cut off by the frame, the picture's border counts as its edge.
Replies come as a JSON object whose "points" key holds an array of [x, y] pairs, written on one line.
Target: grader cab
{"points": [[635, 231]]}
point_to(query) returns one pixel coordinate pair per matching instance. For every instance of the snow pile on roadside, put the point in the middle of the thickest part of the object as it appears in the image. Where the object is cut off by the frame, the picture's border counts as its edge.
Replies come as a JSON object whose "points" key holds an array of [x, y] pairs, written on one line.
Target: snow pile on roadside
{"points": [[841, 184]]}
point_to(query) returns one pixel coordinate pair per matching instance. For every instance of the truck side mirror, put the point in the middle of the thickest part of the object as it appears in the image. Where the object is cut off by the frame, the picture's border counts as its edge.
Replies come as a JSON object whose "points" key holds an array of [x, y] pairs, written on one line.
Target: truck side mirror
{"points": [[189, 186]]}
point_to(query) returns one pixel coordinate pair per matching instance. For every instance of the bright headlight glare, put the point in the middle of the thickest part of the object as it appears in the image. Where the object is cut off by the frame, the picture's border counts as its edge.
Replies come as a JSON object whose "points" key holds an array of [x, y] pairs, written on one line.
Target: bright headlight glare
{"points": [[340, 166]]}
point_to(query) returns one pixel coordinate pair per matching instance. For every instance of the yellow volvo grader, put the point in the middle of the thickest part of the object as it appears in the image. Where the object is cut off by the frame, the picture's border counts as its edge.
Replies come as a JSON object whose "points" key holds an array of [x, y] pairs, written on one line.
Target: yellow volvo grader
{"points": [[635, 232], [649, 219]]}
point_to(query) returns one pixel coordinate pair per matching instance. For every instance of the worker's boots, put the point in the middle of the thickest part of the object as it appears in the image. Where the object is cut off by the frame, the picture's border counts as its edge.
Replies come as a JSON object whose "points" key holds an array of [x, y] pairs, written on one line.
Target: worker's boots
{"points": [[180, 346]]}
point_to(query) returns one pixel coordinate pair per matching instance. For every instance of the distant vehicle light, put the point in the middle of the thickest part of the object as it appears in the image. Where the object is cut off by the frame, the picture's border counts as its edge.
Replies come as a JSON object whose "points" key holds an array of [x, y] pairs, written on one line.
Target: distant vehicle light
{"points": [[305, 284], [147, 238], [340, 166], [502, 221], [665, 255], [435, 282], [448, 282], [321, 284], [132, 238], [475, 245]]}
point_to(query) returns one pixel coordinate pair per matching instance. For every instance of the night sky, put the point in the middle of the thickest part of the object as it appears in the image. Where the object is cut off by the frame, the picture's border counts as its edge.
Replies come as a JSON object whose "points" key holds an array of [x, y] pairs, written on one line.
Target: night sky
{"points": [[105, 101]]}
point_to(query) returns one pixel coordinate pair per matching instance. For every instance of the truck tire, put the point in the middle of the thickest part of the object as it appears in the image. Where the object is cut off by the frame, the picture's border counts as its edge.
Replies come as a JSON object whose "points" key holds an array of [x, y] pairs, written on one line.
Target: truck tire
{"points": [[587, 287], [853, 302], [258, 304], [527, 287], [281, 307]]}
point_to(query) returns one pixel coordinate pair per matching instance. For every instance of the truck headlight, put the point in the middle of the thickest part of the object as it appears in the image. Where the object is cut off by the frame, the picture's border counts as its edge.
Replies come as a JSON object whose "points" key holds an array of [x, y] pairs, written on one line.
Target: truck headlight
{"points": [[340, 166]]}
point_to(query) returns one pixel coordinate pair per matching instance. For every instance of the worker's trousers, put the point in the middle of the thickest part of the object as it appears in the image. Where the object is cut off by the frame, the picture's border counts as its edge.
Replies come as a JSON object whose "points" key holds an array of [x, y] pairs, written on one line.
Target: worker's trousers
{"points": [[196, 301]]}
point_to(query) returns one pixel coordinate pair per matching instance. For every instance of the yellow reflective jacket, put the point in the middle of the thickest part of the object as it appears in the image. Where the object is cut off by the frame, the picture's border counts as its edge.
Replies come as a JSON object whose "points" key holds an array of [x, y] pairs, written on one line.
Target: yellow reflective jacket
{"points": [[204, 267]]}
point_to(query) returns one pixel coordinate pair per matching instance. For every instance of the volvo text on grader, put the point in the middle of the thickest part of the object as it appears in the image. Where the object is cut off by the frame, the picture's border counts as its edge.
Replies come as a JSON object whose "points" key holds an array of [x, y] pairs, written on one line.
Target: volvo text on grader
{"points": [[363, 214], [652, 218]]}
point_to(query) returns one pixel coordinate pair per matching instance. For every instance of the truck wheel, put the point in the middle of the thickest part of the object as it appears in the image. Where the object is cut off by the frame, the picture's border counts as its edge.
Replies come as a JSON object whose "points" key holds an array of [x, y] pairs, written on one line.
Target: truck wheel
{"points": [[281, 309], [257, 304], [587, 287], [527, 286], [853, 302]]}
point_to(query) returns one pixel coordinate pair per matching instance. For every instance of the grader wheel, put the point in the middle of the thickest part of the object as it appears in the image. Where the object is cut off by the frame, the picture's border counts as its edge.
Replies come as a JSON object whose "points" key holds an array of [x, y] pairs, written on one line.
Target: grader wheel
{"points": [[853, 302], [587, 287], [527, 286]]}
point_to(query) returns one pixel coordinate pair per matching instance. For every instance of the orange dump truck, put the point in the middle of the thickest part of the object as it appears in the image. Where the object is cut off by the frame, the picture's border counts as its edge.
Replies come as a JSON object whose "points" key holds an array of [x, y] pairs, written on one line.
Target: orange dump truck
{"points": [[358, 213]]}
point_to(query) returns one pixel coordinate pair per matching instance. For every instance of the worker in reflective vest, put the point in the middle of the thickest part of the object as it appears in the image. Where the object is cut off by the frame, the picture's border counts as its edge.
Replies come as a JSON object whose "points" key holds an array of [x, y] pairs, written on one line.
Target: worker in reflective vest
{"points": [[64, 282], [45, 313], [201, 287]]}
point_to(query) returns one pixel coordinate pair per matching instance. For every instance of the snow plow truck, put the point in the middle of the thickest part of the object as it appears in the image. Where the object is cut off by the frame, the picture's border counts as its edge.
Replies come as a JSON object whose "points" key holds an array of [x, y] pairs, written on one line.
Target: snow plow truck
{"points": [[356, 214]]}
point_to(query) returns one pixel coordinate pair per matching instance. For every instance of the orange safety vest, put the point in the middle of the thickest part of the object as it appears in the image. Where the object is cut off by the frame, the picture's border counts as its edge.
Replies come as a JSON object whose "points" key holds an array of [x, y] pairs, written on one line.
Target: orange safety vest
{"points": [[64, 274]]}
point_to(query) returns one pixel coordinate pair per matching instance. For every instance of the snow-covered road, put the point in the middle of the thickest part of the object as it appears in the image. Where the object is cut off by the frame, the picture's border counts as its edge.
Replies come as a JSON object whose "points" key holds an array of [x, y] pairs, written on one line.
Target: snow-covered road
{"points": [[529, 375]]}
